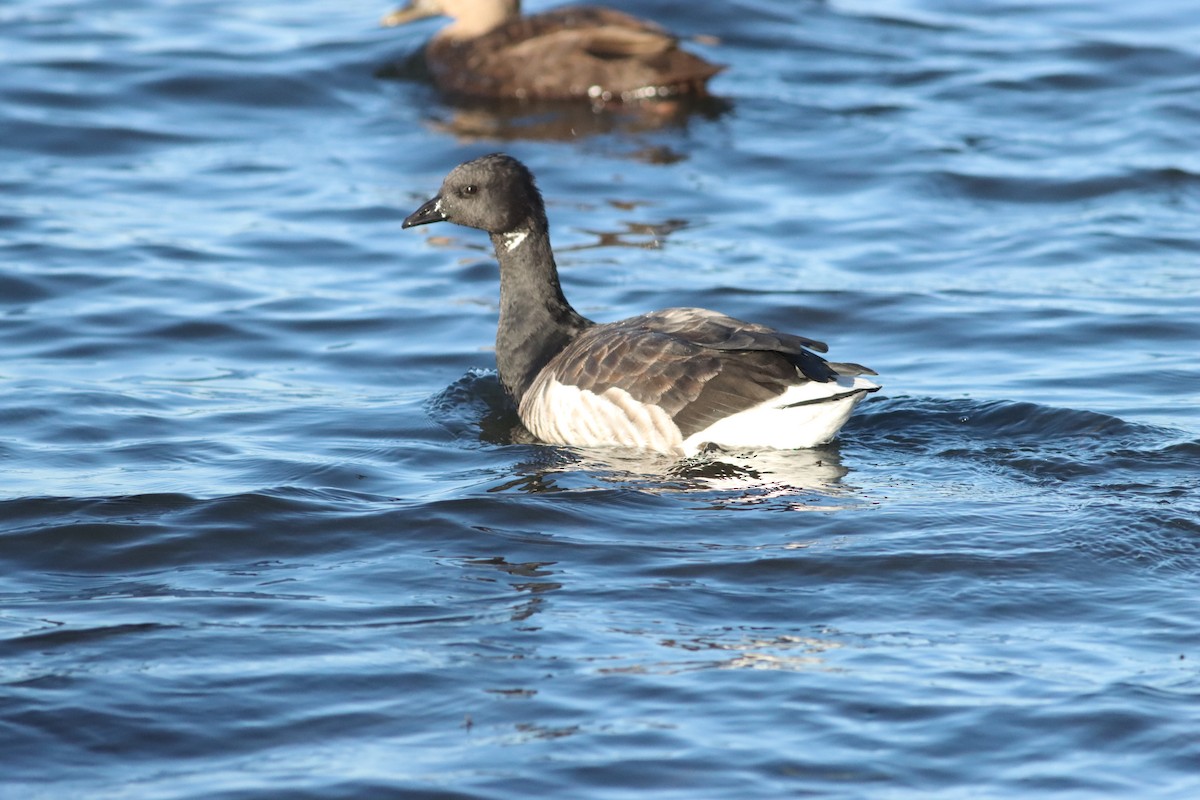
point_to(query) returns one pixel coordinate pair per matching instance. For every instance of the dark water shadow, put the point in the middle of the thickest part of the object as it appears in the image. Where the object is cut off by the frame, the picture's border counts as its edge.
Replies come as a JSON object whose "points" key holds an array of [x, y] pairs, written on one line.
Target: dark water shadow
{"points": [[1139, 483], [1043, 443], [474, 119]]}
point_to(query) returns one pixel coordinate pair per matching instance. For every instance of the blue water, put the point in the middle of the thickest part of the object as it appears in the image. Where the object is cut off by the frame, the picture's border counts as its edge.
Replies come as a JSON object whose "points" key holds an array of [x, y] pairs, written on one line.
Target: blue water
{"points": [[267, 530]]}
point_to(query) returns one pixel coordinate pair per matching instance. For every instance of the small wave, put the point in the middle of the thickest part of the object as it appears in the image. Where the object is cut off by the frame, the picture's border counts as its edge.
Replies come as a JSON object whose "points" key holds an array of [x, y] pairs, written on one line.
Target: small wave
{"points": [[1134, 63], [231, 88], [917, 418], [82, 139], [1038, 441], [19, 290], [1040, 189], [110, 535], [475, 409]]}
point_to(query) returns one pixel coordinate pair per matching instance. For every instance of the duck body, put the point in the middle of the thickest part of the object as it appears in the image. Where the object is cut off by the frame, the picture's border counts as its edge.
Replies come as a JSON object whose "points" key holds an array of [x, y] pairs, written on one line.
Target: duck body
{"points": [[570, 53], [671, 381]]}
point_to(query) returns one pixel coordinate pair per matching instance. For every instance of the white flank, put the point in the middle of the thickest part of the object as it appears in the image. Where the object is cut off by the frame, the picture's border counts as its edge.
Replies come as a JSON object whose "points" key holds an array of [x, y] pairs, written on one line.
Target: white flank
{"points": [[782, 424], [804, 416], [562, 414], [513, 239]]}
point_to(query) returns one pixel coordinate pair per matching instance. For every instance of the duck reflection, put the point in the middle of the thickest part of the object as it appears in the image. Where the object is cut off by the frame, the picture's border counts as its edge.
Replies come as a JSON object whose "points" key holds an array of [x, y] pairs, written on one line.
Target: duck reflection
{"points": [[491, 121]]}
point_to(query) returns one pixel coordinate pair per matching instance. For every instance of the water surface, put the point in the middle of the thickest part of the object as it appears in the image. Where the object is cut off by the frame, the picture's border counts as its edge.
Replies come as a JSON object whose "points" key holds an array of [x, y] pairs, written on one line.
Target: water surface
{"points": [[266, 529]]}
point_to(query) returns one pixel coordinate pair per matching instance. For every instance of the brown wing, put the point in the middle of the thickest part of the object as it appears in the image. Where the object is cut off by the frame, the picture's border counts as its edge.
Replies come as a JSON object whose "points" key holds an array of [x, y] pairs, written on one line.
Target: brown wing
{"points": [[564, 53], [722, 332], [574, 18], [697, 365]]}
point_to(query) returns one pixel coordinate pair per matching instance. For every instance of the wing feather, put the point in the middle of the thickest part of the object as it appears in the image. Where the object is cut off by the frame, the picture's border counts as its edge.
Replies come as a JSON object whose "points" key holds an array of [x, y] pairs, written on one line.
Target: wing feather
{"points": [[696, 365], [722, 332], [602, 48]]}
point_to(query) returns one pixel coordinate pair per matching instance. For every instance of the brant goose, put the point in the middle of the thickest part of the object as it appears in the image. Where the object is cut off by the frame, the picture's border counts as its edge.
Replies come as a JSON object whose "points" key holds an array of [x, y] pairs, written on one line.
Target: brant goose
{"points": [[672, 381], [578, 52]]}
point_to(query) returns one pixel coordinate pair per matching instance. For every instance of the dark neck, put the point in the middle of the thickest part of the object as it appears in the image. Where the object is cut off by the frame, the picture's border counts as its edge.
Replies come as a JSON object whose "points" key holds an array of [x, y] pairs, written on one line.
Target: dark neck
{"points": [[536, 321]]}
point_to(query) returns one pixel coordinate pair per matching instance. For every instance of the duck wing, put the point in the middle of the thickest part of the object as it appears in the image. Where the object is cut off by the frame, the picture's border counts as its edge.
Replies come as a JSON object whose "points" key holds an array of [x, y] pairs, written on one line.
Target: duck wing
{"points": [[579, 51], [583, 21], [695, 365]]}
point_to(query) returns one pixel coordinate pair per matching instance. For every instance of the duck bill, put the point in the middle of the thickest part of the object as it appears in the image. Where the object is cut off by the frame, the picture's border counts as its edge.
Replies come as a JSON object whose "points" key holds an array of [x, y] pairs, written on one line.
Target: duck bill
{"points": [[413, 11], [430, 212]]}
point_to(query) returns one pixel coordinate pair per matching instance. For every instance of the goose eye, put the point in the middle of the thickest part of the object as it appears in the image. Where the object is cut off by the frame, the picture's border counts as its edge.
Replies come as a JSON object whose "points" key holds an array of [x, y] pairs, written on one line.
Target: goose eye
{"points": [[470, 189]]}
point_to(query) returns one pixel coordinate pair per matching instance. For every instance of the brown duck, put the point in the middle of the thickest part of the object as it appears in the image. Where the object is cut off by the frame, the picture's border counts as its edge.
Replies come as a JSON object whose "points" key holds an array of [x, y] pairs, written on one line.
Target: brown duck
{"points": [[576, 52]]}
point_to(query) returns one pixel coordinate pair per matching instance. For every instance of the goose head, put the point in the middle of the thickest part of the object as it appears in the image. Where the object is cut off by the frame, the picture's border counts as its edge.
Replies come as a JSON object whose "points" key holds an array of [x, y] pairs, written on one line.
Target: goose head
{"points": [[495, 193]]}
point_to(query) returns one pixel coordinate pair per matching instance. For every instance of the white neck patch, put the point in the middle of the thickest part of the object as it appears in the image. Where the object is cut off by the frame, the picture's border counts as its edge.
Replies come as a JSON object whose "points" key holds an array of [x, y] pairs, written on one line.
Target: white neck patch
{"points": [[513, 240]]}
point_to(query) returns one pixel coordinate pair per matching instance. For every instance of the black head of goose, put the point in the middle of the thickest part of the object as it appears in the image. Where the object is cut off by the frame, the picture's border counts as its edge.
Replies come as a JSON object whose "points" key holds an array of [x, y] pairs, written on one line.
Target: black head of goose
{"points": [[578, 52], [672, 381]]}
